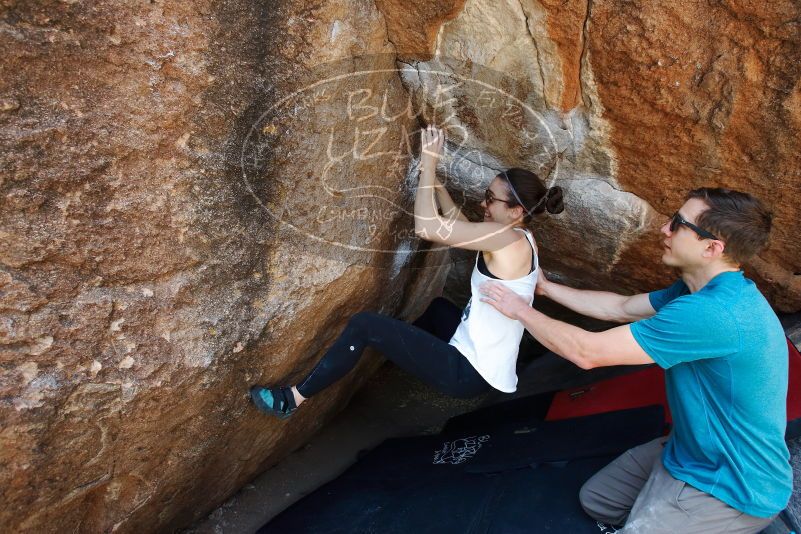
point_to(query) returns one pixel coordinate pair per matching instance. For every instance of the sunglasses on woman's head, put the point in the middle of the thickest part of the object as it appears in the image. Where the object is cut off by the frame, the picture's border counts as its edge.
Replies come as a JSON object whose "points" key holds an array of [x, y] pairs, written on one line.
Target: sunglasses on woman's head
{"points": [[489, 198], [677, 219]]}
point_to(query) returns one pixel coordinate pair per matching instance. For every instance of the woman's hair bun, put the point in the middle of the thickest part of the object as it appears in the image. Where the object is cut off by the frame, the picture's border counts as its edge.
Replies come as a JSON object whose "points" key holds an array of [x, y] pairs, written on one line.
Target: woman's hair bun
{"points": [[554, 200]]}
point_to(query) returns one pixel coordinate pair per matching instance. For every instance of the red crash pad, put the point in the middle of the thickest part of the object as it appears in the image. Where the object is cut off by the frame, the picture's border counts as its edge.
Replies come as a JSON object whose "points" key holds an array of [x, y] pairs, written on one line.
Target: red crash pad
{"points": [[647, 387]]}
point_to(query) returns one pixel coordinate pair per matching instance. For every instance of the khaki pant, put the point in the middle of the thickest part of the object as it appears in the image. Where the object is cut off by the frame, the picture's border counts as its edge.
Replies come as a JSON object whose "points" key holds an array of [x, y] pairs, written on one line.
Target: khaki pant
{"points": [[635, 490]]}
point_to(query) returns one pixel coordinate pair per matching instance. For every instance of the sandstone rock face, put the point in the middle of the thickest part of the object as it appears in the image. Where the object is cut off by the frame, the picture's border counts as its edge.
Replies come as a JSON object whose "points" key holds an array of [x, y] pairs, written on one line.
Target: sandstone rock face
{"points": [[642, 104], [152, 260], [708, 95], [196, 196]]}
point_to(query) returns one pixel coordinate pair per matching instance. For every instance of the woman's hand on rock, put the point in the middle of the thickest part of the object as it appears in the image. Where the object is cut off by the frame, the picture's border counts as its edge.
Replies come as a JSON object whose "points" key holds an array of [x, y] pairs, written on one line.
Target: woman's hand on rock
{"points": [[432, 139]]}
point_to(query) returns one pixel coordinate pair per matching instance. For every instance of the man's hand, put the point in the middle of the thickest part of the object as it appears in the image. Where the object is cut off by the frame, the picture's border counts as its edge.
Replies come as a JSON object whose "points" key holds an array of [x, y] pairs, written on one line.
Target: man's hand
{"points": [[588, 350], [503, 299], [542, 282]]}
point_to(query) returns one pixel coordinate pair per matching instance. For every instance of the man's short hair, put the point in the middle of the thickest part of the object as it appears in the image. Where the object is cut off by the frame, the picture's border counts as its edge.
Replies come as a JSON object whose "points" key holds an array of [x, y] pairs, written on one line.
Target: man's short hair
{"points": [[741, 221]]}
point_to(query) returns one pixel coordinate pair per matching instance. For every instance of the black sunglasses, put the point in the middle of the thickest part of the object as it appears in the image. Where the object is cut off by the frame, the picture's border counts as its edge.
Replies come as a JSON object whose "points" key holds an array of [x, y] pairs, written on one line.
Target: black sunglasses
{"points": [[677, 219], [489, 198]]}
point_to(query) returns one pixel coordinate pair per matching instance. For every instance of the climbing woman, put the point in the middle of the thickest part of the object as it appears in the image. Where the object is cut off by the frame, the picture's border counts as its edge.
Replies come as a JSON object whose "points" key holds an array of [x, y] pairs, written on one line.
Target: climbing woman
{"points": [[461, 353]]}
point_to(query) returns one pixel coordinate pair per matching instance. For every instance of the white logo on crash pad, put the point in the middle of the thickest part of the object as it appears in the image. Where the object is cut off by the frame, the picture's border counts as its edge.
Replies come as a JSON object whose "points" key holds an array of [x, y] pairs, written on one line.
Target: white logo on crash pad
{"points": [[460, 450]]}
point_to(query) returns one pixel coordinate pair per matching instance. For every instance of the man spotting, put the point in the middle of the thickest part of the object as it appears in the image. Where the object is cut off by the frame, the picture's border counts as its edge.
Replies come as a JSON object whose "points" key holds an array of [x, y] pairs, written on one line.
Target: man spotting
{"points": [[725, 465]]}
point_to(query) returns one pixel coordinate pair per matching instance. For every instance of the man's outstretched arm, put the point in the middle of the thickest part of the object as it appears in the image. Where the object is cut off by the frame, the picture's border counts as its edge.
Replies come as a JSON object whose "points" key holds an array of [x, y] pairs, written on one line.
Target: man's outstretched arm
{"points": [[616, 346], [597, 304]]}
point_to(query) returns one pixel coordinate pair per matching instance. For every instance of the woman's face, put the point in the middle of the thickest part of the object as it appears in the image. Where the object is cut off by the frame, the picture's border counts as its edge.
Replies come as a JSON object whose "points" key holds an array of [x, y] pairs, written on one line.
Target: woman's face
{"points": [[496, 204]]}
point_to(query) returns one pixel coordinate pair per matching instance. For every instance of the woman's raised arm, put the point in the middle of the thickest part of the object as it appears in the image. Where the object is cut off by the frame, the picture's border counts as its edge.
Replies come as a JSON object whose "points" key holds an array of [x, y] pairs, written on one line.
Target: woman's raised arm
{"points": [[431, 226], [447, 206]]}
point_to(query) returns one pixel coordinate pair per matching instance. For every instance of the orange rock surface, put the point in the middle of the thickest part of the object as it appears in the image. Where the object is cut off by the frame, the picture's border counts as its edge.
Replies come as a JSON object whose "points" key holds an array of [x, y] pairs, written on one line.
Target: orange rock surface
{"points": [[196, 196]]}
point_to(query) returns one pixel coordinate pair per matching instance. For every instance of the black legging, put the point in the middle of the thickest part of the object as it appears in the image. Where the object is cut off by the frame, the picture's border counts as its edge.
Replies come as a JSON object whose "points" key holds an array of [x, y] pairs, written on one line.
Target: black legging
{"points": [[421, 348]]}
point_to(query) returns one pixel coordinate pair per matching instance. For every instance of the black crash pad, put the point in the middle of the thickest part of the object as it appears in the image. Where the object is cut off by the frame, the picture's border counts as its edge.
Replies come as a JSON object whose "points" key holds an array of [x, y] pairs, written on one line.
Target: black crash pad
{"points": [[513, 478]]}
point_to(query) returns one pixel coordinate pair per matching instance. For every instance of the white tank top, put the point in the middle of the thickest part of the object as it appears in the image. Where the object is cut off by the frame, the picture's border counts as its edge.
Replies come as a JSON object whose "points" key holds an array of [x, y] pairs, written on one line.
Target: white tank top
{"points": [[487, 338]]}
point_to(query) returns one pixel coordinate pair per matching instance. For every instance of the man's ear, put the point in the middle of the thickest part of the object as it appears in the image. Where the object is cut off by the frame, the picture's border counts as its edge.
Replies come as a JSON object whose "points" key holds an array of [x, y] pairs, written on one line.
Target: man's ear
{"points": [[714, 249]]}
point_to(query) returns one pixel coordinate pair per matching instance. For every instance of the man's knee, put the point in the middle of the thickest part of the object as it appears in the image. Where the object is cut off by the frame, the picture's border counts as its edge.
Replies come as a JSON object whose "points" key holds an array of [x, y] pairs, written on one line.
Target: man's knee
{"points": [[594, 499], [588, 497]]}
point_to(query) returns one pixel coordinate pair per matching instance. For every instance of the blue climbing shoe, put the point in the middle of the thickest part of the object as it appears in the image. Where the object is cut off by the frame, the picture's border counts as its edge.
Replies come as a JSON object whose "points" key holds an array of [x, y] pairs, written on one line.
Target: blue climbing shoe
{"points": [[274, 401]]}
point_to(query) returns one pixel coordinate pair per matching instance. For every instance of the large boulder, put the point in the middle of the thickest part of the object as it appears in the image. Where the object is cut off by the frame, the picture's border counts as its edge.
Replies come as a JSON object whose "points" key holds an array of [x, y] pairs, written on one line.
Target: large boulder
{"points": [[639, 104], [169, 237]]}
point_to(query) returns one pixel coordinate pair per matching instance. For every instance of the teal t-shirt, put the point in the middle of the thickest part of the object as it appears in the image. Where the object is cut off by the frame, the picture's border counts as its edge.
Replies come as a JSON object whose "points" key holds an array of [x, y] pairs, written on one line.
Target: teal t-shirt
{"points": [[726, 363]]}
